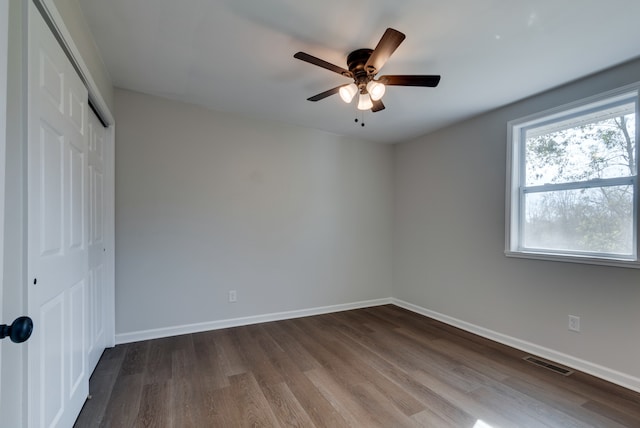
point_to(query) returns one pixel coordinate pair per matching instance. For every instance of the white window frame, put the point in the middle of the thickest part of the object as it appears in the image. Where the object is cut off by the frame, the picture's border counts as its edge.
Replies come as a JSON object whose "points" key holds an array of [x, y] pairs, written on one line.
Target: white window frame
{"points": [[515, 188]]}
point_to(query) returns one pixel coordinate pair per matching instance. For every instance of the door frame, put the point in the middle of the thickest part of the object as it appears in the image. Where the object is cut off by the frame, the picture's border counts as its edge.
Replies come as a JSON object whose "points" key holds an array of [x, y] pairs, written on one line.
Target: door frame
{"points": [[4, 53], [57, 26]]}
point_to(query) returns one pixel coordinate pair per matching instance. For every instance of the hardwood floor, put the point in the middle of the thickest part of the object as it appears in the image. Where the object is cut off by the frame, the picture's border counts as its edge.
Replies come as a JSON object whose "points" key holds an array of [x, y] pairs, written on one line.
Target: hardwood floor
{"points": [[375, 367]]}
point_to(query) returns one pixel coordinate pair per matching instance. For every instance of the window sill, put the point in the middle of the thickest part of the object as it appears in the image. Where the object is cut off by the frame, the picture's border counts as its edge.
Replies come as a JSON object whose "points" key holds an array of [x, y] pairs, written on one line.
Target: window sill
{"points": [[623, 263]]}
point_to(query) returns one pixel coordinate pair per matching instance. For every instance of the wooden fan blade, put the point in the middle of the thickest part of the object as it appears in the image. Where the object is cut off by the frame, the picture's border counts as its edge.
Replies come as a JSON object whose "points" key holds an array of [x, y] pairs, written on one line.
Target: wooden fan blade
{"points": [[411, 80], [325, 94], [377, 106], [322, 63], [387, 45]]}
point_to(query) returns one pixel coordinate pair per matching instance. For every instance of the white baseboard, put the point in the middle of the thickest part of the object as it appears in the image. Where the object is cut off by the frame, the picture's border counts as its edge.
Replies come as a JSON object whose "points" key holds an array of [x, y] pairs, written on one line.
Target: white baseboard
{"points": [[613, 376], [622, 379], [158, 333]]}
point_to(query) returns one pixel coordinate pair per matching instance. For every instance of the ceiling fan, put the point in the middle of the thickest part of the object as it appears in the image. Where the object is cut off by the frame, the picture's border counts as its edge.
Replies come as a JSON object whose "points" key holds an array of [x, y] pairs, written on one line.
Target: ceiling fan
{"points": [[363, 65]]}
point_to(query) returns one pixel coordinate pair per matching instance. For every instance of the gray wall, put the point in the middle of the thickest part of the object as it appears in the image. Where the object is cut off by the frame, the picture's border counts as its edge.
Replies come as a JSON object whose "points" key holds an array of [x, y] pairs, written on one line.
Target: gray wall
{"points": [[449, 244], [207, 202]]}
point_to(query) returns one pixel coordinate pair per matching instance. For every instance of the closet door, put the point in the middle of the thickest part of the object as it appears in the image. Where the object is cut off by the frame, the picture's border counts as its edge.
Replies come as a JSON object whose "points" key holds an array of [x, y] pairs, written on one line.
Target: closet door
{"points": [[58, 377], [97, 236]]}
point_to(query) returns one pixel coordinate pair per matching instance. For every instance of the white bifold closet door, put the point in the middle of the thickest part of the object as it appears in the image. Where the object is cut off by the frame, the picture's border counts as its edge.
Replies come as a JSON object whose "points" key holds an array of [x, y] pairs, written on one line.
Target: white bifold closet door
{"points": [[97, 146], [58, 232]]}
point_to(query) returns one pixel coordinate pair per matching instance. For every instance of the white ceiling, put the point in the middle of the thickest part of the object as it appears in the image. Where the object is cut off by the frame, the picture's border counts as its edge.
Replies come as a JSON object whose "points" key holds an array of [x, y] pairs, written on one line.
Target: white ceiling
{"points": [[237, 55]]}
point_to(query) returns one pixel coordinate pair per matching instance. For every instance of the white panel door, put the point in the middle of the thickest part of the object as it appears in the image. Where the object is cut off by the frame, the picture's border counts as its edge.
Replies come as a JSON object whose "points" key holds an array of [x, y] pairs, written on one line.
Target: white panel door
{"points": [[97, 336], [58, 379]]}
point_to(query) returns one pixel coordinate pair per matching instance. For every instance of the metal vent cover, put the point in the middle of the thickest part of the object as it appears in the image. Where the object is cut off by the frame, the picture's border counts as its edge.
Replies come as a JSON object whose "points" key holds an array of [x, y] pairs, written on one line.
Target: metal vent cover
{"points": [[548, 365]]}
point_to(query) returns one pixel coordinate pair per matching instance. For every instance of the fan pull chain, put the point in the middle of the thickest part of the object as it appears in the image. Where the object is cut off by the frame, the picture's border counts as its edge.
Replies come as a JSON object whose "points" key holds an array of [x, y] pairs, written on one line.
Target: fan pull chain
{"points": [[361, 118]]}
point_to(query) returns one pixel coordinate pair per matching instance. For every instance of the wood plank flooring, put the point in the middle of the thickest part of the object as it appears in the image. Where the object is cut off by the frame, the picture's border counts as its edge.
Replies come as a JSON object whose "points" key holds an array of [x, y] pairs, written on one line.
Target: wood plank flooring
{"points": [[375, 367]]}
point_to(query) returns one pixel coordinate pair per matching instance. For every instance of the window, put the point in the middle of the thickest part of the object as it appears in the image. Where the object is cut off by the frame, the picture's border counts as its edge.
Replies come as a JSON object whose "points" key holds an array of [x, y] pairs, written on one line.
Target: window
{"points": [[572, 182]]}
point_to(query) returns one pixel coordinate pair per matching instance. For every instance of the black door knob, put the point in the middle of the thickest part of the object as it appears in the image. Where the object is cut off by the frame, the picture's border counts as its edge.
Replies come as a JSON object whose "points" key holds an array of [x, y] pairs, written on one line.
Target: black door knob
{"points": [[19, 331]]}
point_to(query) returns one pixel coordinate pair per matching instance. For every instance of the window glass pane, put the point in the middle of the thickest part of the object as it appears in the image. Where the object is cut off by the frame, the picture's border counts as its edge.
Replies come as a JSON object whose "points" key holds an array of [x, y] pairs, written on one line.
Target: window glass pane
{"points": [[595, 220], [596, 145]]}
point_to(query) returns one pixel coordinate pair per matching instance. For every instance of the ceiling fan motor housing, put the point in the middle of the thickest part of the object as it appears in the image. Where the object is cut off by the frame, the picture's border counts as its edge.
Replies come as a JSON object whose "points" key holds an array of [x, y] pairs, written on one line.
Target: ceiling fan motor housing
{"points": [[356, 61]]}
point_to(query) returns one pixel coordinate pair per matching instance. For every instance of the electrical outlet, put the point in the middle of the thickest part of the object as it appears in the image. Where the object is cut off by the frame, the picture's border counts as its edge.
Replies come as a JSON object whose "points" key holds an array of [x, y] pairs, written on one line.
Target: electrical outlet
{"points": [[574, 323], [233, 296]]}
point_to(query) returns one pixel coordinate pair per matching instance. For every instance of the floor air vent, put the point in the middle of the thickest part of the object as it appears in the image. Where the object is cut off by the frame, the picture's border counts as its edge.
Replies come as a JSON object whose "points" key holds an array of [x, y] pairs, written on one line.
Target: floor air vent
{"points": [[548, 365]]}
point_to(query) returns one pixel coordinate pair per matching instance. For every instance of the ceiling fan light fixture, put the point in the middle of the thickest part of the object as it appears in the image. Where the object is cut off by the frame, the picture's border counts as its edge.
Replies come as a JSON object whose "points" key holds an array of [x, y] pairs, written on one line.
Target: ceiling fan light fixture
{"points": [[376, 90], [347, 92], [364, 102], [363, 65]]}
